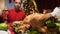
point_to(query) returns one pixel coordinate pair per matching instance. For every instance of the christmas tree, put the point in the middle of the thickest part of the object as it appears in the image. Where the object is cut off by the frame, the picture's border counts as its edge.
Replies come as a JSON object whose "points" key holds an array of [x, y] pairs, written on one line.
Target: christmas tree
{"points": [[29, 6]]}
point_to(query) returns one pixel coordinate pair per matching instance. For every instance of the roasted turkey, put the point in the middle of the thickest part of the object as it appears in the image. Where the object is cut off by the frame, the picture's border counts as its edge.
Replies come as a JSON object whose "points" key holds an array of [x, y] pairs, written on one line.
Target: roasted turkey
{"points": [[36, 21]]}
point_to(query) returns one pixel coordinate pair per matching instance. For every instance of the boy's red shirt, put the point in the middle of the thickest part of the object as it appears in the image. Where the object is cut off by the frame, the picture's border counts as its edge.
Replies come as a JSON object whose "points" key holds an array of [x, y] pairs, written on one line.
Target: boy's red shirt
{"points": [[15, 16]]}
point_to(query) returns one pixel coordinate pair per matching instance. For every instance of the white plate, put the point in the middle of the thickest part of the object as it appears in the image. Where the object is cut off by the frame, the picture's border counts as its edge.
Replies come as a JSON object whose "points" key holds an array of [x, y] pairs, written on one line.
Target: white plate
{"points": [[3, 32]]}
